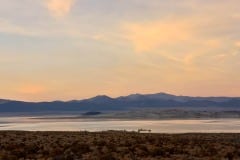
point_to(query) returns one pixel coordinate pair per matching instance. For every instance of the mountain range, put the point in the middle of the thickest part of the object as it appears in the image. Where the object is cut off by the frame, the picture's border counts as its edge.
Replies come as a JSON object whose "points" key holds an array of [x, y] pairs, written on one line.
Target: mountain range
{"points": [[123, 103]]}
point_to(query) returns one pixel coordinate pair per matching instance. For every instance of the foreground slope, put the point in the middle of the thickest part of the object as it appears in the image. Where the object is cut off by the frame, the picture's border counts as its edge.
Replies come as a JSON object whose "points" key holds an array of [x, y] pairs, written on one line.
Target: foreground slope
{"points": [[117, 146]]}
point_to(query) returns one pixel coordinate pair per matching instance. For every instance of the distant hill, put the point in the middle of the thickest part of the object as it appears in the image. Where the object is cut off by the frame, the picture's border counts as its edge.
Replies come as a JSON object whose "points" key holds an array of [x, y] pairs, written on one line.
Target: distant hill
{"points": [[123, 103]]}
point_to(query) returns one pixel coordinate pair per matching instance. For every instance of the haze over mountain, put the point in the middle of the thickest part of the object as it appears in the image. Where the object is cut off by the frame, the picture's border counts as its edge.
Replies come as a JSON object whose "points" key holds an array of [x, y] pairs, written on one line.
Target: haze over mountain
{"points": [[123, 103]]}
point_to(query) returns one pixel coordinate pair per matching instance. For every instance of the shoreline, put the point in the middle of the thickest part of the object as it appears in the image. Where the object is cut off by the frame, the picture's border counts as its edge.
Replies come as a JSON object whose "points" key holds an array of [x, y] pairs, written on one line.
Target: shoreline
{"points": [[93, 125]]}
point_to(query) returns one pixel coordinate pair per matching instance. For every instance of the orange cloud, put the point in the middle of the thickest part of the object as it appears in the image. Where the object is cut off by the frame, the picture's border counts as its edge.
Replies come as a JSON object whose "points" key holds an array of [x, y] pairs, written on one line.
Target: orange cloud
{"points": [[150, 36], [31, 89], [59, 8], [237, 44]]}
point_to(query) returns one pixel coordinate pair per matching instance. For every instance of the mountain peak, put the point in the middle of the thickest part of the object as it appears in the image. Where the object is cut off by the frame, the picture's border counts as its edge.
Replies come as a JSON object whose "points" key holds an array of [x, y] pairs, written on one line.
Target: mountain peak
{"points": [[100, 98], [163, 93]]}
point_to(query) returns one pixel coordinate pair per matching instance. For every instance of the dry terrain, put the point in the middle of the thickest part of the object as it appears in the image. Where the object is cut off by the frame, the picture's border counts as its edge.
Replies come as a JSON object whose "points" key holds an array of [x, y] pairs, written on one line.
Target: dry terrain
{"points": [[113, 145]]}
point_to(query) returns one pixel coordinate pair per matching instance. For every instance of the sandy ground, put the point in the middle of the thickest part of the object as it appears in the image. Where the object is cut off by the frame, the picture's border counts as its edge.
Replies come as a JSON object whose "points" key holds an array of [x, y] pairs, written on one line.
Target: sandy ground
{"points": [[113, 145]]}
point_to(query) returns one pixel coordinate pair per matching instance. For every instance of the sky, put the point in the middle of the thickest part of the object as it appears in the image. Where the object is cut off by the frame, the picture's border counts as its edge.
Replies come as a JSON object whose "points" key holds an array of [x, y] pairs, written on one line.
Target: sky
{"points": [[75, 49]]}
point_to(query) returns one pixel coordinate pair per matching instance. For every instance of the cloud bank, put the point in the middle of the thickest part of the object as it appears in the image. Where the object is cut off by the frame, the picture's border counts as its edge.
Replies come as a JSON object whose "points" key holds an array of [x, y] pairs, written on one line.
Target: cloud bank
{"points": [[59, 8]]}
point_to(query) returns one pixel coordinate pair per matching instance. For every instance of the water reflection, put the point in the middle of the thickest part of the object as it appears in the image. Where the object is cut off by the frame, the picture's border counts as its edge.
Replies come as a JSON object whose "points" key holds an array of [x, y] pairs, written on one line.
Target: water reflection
{"points": [[157, 126]]}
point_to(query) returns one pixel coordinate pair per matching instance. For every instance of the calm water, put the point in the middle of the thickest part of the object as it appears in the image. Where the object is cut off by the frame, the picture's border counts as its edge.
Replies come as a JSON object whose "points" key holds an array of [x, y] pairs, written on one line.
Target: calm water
{"points": [[157, 126]]}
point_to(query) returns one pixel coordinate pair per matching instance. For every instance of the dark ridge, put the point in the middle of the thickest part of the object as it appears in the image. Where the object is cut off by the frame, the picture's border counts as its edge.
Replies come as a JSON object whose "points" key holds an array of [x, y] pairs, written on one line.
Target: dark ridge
{"points": [[133, 101]]}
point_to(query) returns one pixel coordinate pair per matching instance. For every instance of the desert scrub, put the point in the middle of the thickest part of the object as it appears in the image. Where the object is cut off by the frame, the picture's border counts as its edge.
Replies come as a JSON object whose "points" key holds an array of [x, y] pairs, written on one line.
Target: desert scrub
{"points": [[114, 145]]}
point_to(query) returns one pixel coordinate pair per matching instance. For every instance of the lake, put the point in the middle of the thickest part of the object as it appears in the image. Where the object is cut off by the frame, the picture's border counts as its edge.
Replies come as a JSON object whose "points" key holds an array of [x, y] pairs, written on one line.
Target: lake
{"points": [[157, 126]]}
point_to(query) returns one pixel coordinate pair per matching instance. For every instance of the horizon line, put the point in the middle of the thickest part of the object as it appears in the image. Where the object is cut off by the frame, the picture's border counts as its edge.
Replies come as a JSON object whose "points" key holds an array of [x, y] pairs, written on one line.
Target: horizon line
{"points": [[99, 95]]}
